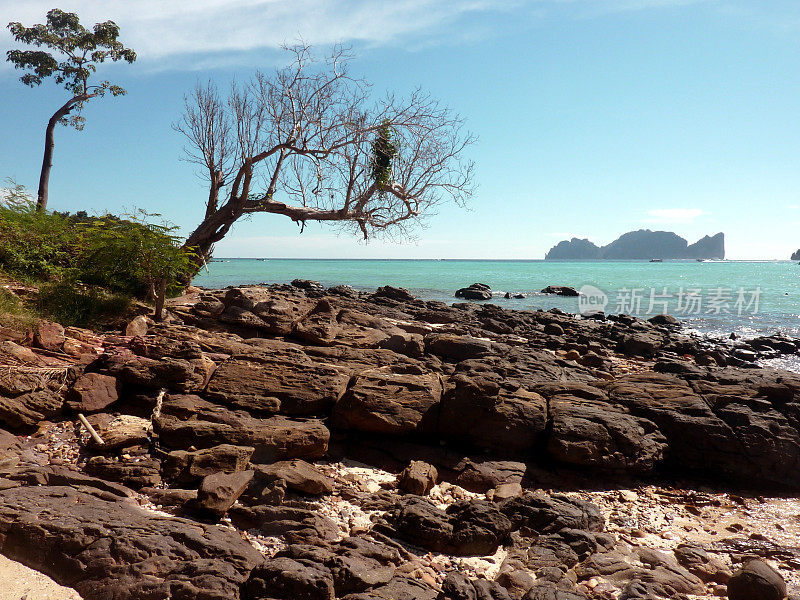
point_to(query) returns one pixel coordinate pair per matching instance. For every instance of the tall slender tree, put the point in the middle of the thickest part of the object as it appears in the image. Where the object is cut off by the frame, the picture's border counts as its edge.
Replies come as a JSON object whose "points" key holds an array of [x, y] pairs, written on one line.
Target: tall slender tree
{"points": [[75, 53]]}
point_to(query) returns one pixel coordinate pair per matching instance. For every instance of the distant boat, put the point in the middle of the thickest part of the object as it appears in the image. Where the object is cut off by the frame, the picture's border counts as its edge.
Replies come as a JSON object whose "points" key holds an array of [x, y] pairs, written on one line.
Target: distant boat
{"points": [[700, 259], [656, 260]]}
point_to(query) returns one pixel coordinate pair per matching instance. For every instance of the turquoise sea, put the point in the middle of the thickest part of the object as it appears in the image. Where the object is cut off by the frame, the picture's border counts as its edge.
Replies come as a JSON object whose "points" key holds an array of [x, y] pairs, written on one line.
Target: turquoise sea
{"points": [[712, 297]]}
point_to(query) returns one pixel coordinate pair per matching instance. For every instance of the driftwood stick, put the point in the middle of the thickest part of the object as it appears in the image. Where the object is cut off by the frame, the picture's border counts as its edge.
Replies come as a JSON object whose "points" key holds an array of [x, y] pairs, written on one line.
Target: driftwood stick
{"points": [[91, 430]]}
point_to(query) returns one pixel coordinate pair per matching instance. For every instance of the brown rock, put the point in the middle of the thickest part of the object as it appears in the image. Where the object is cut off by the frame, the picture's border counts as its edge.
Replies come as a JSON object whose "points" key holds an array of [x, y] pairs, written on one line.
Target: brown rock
{"points": [[92, 392], [219, 491], [115, 549], [298, 475], [289, 382], [383, 402], [137, 326], [418, 478], [478, 411], [191, 421], [119, 432], [28, 410], [505, 491], [49, 335], [185, 466]]}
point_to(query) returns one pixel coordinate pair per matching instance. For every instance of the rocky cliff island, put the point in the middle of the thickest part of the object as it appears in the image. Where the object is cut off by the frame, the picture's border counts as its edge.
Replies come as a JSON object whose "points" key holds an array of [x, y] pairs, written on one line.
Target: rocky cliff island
{"points": [[295, 442], [641, 245]]}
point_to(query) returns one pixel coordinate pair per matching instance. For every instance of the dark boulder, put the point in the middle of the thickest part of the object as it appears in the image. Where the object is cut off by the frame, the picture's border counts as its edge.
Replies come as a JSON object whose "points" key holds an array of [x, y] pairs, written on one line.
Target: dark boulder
{"points": [[219, 491], [115, 549], [417, 478], [560, 290], [756, 580], [476, 291]]}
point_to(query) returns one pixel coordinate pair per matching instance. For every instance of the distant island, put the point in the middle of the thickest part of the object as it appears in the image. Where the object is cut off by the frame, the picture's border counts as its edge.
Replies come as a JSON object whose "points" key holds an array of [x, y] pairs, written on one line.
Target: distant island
{"points": [[795, 255], [641, 244]]}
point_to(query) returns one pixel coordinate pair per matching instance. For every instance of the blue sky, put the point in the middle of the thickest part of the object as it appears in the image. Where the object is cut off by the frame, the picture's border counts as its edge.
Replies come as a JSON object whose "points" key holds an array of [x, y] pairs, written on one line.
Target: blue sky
{"points": [[594, 117]]}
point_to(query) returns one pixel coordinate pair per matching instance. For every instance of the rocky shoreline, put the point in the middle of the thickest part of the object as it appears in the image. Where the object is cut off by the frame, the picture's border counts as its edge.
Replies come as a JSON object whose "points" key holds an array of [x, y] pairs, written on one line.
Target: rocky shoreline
{"points": [[301, 442]]}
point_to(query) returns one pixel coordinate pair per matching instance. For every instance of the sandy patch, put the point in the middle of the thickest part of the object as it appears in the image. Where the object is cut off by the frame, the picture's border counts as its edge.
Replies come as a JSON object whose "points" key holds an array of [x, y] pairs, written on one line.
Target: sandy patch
{"points": [[18, 581]]}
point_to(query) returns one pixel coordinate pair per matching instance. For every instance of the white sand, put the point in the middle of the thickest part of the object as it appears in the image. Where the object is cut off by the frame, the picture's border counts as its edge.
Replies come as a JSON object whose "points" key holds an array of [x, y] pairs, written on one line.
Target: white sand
{"points": [[18, 581]]}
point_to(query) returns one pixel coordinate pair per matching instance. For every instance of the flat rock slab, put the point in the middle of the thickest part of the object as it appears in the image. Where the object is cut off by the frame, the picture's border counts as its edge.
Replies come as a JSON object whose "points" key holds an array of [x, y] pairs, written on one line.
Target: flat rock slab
{"points": [[115, 549]]}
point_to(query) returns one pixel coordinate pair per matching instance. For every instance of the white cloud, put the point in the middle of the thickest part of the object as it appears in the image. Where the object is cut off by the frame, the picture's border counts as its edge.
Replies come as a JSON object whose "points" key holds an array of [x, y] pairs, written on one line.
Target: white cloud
{"points": [[674, 215], [195, 33], [158, 29]]}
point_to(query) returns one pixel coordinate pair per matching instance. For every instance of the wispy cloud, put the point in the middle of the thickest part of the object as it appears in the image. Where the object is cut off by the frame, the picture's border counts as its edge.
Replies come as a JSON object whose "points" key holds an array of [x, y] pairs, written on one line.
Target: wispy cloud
{"points": [[158, 29], [674, 215], [196, 33]]}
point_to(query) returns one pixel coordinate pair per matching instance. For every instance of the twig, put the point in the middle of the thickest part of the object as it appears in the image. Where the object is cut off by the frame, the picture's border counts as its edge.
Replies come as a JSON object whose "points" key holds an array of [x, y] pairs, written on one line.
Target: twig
{"points": [[91, 430]]}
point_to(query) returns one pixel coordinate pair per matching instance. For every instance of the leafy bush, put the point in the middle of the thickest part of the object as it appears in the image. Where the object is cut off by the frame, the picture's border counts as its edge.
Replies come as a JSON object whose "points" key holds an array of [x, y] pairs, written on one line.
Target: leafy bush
{"points": [[33, 246], [130, 255], [90, 266]]}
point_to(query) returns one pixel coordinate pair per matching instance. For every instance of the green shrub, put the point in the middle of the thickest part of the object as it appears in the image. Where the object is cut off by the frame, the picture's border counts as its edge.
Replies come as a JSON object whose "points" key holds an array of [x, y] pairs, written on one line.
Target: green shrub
{"points": [[131, 256], [33, 246]]}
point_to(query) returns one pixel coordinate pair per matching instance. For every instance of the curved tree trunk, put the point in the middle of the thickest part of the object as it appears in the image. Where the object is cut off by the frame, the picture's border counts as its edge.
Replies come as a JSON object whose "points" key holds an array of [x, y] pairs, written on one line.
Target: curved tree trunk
{"points": [[47, 163], [49, 144]]}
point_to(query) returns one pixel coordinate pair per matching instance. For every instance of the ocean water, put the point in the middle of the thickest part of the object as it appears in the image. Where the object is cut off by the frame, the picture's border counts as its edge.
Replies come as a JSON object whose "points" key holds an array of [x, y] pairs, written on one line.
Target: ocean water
{"points": [[716, 298]]}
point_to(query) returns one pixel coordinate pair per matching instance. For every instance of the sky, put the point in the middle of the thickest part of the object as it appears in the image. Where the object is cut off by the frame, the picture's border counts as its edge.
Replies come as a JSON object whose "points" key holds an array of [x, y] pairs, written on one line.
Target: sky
{"points": [[593, 117]]}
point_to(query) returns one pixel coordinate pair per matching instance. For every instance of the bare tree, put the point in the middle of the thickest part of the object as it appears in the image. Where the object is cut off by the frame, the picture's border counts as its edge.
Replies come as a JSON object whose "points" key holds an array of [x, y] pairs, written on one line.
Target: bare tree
{"points": [[308, 142]]}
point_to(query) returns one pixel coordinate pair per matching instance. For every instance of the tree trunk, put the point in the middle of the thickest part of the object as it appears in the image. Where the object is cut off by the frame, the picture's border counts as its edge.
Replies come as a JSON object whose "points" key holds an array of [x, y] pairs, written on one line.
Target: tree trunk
{"points": [[161, 295], [49, 144], [47, 163]]}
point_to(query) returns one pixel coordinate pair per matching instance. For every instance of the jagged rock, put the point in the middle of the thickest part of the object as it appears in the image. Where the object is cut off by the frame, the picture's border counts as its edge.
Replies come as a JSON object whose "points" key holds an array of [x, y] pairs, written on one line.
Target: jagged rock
{"points": [[663, 320], [393, 293], [308, 284], [137, 326], [169, 496], [287, 381], [456, 586], [29, 409], [474, 528], [477, 411], [456, 347], [9, 451], [48, 335], [702, 564], [136, 473], [115, 549], [725, 431], [183, 466], [219, 491], [595, 434], [476, 291], [92, 392], [417, 478], [550, 514], [756, 580], [364, 407], [179, 374], [191, 421], [298, 475], [283, 578], [297, 525], [119, 432], [560, 290]]}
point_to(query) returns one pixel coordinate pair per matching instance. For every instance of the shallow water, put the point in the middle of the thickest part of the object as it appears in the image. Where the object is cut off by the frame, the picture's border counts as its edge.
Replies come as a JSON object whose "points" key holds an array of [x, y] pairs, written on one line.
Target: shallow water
{"points": [[712, 297]]}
